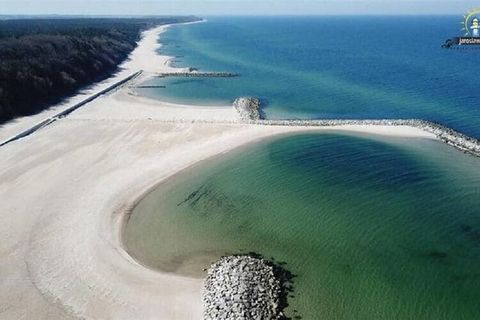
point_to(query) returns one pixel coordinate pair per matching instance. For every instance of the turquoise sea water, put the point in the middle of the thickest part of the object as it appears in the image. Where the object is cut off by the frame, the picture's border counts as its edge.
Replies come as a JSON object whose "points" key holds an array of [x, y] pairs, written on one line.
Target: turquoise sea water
{"points": [[331, 67], [374, 228]]}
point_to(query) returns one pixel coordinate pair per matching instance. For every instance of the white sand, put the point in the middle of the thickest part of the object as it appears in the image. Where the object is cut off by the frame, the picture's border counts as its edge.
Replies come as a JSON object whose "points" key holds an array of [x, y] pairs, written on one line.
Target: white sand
{"points": [[65, 191], [143, 57]]}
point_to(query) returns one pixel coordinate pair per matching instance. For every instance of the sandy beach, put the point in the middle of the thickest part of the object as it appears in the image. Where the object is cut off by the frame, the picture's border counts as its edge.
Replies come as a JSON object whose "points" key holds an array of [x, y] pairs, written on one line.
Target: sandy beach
{"points": [[67, 188]]}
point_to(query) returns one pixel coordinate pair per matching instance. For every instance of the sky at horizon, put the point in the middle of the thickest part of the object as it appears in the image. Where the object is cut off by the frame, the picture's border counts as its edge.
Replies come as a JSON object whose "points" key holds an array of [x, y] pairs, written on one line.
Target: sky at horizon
{"points": [[234, 7]]}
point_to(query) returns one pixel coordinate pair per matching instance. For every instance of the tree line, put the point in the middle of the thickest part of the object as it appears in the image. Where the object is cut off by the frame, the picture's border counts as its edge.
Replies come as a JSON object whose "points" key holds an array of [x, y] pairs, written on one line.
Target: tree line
{"points": [[43, 61]]}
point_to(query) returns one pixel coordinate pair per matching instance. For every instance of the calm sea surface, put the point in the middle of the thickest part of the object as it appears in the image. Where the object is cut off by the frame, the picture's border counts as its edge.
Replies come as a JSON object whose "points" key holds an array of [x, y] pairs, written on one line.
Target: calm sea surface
{"points": [[374, 228], [331, 67]]}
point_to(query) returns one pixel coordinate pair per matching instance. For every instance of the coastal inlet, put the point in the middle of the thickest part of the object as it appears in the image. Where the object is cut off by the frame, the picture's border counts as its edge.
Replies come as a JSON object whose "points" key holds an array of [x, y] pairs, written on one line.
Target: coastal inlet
{"points": [[349, 215]]}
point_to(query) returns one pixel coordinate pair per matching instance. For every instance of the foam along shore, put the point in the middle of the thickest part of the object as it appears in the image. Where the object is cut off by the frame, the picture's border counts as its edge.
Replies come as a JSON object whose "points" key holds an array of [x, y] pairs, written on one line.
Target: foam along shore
{"points": [[68, 189]]}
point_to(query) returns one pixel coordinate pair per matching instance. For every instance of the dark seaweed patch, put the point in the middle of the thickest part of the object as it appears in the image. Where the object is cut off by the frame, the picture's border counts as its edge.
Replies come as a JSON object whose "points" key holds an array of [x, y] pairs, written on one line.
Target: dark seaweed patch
{"points": [[208, 199], [190, 197], [193, 198], [472, 234], [465, 227], [465, 277], [348, 269], [437, 254]]}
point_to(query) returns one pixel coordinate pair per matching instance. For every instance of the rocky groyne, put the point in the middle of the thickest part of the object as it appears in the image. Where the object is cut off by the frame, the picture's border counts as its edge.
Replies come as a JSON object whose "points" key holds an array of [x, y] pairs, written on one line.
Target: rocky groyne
{"points": [[243, 287], [248, 108], [452, 137], [193, 74]]}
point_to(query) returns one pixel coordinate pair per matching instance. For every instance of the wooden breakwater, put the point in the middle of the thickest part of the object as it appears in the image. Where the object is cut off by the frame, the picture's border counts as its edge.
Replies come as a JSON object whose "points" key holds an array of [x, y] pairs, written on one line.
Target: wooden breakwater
{"points": [[69, 110], [198, 74]]}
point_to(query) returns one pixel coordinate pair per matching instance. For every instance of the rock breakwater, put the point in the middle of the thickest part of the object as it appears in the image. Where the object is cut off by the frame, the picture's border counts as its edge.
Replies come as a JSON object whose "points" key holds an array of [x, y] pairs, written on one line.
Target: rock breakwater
{"points": [[243, 287], [194, 73], [452, 137], [248, 108]]}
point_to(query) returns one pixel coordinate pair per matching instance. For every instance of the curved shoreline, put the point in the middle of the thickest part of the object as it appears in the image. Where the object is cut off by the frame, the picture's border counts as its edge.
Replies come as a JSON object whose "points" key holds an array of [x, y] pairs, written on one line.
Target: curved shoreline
{"points": [[63, 252], [450, 136]]}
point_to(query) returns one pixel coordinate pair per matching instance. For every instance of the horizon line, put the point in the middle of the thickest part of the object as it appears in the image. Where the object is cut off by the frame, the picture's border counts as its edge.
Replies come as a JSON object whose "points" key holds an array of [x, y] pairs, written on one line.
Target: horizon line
{"points": [[221, 15]]}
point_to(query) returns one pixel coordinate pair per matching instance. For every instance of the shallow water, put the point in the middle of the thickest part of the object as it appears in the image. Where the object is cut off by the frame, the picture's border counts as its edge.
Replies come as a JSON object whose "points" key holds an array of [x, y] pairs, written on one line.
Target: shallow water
{"points": [[330, 67], [374, 228]]}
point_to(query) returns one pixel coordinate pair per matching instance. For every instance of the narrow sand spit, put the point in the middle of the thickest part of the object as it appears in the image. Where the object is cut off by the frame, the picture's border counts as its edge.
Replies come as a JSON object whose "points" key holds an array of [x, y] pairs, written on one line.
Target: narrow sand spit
{"points": [[66, 189]]}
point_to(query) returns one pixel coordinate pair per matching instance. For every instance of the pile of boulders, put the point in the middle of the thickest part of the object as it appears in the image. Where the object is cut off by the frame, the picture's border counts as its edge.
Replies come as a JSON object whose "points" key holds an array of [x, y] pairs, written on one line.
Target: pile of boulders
{"points": [[249, 111], [248, 108], [454, 138], [242, 287]]}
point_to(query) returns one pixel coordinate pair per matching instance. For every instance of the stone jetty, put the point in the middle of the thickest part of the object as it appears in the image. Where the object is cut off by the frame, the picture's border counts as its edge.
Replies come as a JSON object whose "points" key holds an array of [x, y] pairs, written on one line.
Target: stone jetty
{"points": [[242, 287], [197, 74], [451, 137], [248, 108]]}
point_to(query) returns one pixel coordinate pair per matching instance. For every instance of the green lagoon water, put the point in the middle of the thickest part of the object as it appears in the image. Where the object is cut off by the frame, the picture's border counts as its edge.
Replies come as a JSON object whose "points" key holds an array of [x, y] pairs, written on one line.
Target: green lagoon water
{"points": [[373, 228]]}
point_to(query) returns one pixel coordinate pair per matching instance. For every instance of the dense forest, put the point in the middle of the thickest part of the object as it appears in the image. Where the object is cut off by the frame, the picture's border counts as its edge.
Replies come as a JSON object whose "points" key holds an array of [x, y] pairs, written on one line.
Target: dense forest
{"points": [[45, 60]]}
